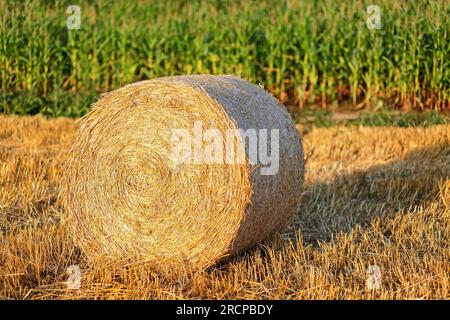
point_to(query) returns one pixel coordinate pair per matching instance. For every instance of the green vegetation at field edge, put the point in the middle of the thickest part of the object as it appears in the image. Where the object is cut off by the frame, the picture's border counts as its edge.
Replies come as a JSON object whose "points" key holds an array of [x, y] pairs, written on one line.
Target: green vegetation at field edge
{"points": [[318, 118], [305, 52]]}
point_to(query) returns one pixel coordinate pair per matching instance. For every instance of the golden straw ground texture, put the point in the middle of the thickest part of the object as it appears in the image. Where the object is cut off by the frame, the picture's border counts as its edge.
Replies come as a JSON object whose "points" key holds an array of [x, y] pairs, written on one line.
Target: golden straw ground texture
{"points": [[373, 196]]}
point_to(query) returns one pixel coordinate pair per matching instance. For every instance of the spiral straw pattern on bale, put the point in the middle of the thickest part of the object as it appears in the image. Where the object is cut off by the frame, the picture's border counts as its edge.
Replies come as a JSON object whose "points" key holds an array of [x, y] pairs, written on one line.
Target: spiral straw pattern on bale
{"points": [[126, 201]]}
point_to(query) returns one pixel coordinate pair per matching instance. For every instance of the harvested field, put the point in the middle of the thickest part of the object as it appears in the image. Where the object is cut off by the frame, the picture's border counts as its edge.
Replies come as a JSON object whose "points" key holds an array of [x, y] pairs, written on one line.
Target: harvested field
{"points": [[375, 199]]}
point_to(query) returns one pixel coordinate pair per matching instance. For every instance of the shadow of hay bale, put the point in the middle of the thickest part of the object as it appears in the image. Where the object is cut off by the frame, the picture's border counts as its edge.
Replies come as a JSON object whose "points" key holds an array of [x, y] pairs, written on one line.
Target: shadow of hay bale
{"points": [[357, 197]]}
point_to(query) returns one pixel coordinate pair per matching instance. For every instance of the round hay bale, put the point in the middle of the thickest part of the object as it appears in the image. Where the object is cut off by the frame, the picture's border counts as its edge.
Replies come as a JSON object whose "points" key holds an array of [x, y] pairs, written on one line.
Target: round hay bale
{"points": [[129, 197]]}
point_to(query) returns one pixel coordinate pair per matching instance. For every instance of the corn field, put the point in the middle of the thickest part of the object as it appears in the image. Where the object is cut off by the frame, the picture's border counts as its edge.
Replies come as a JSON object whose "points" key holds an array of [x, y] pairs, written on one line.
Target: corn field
{"points": [[307, 53]]}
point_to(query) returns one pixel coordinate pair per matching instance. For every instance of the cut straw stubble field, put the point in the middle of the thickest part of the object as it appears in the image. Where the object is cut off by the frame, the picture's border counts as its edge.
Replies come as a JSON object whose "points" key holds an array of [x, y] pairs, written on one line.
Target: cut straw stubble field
{"points": [[373, 196]]}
